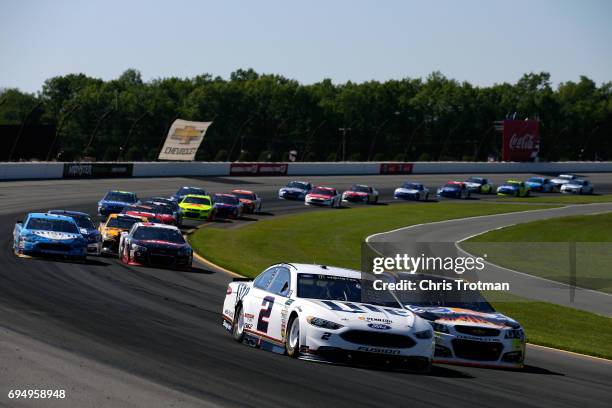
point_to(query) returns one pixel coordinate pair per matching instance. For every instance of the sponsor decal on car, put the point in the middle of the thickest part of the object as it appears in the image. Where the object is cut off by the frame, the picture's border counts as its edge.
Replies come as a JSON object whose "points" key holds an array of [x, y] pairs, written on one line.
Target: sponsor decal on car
{"points": [[379, 326]]}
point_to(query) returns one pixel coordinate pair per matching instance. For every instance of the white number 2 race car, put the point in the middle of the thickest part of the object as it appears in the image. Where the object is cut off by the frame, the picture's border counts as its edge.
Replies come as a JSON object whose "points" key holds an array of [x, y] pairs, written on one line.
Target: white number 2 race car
{"points": [[316, 313]]}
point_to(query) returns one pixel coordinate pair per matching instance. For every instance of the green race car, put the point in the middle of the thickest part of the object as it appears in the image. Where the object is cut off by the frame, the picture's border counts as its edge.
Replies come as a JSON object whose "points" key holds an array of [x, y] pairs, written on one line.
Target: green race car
{"points": [[514, 188], [197, 207]]}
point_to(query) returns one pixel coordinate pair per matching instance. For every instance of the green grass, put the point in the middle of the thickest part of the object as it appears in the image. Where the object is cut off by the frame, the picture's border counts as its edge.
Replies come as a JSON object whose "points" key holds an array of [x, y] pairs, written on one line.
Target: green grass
{"points": [[561, 327], [328, 237], [334, 237], [543, 248], [561, 199]]}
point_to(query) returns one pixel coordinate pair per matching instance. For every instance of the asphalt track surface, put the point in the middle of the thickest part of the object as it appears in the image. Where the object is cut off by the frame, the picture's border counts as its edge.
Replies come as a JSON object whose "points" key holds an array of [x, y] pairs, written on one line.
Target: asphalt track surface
{"points": [[115, 335]]}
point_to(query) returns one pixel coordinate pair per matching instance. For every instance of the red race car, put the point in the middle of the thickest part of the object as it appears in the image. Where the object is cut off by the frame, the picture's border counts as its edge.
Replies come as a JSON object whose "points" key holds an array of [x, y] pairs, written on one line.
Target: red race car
{"points": [[251, 202]]}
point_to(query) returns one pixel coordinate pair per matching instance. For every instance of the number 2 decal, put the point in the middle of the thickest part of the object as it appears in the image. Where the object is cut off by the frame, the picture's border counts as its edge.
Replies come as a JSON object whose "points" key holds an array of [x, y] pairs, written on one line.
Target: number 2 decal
{"points": [[264, 314]]}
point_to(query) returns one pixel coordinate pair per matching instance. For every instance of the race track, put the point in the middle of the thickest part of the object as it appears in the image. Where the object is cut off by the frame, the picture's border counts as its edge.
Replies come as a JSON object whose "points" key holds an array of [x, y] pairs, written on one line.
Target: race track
{"points": [[160, 331]]}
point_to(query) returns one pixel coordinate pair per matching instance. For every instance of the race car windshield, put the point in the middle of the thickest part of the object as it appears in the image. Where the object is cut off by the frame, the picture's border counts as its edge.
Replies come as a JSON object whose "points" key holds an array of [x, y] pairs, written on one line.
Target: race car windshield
{"points": [[120, 197], [328, 287], [83, 221], [464, 299], [158, 234], [535, 180], [160, 209], [42, 224], [566, 177], [360, 189], [452, 185], [191, 190], [196, 200], [322, 191], [514, 183], [138, 208], [246, 196], [297, 184], [475, 180], [122, 223], [226, 199], [412, 186]]}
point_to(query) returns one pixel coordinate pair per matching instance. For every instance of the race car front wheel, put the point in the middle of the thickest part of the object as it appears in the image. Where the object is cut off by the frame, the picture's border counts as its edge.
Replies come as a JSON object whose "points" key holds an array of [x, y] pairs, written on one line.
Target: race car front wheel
{"points": [[292, 340], [238, 325]]}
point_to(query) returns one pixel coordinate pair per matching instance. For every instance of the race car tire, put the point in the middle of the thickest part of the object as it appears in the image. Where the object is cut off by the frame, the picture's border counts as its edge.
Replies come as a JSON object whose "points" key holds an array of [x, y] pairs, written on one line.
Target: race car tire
{"points": [[238, 324], [292, 340]]}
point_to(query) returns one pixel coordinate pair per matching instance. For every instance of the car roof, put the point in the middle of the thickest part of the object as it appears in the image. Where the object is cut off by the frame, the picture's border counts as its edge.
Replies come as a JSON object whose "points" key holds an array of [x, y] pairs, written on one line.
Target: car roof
{"points": [[51, 216], [325, 188], [197, 188], [455, 182], [242, 192], [121, 191], [513, 181], [225, 195], [69, 213], [156, 225], [321, 270]]}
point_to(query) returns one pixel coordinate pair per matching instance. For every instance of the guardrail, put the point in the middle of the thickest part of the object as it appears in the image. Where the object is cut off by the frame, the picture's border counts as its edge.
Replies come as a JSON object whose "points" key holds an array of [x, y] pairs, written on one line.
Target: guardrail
{"points": [[44, 170]]}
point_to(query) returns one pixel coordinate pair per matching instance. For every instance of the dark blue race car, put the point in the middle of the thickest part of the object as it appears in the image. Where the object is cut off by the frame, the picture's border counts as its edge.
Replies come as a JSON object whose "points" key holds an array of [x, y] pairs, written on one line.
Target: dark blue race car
{"points": [[115, 201], [49, 234], [227, 206], [87, 229], [183, 191]]}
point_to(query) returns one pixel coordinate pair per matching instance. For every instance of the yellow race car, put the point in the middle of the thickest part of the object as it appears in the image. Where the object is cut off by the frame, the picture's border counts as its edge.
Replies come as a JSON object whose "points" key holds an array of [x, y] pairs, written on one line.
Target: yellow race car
{"points": [[197, 207], [111, 231]]}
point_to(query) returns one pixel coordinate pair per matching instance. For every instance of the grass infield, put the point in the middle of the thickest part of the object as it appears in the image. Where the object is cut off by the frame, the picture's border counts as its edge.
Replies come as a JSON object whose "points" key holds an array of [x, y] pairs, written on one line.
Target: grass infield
{"points": [[334, 237], [542, 248]]}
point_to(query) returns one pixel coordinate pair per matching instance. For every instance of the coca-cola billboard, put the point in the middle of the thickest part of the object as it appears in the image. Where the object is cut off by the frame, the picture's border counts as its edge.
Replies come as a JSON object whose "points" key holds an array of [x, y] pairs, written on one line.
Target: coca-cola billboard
{"points": [[521, 140]]}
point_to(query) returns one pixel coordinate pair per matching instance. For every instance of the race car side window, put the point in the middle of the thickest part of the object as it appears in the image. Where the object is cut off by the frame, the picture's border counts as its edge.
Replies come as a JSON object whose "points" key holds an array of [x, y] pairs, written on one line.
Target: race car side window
{"points": [[282, 282], [265, 278]]}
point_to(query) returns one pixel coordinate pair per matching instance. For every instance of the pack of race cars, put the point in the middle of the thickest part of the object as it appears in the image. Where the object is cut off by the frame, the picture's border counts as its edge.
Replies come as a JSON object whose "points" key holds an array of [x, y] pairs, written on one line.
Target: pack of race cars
{"points": [[308, 311]]}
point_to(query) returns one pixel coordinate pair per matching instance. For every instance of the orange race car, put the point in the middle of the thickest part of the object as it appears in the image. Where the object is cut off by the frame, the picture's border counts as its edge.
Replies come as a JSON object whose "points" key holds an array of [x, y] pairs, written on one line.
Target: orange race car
{"points": [[251, 202]]}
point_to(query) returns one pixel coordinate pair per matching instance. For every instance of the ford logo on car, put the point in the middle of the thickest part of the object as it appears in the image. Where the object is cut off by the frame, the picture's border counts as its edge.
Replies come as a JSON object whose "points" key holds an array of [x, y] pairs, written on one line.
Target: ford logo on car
{"points": [[379, 326]]}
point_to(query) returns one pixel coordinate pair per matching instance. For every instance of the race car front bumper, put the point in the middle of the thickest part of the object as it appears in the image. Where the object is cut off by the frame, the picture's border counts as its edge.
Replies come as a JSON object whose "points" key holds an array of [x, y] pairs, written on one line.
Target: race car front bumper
{"points": [[52, 249], [485, 352], [94, 248]]}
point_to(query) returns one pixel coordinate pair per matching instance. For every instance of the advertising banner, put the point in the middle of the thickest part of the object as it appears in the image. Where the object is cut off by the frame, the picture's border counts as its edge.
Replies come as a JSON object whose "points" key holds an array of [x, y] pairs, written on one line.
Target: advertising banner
{"points": [[521, 140], [395, 168], [258, 169], [183, 140], [97, 170]]}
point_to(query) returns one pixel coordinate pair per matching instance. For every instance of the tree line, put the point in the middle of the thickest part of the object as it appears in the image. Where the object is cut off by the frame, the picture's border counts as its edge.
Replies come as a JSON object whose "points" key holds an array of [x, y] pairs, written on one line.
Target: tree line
{"points": [[263, 117]]}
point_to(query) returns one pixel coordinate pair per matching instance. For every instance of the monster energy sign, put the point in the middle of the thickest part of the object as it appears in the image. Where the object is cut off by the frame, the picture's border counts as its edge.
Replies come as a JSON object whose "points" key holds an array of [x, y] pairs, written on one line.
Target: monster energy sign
{"points": [[183, 140]]}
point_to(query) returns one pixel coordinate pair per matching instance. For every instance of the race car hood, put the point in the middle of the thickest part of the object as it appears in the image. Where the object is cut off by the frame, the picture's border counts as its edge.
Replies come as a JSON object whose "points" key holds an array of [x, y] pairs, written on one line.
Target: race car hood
{"points": [[406, 190], [465, 317], [247, 201], [292, 190], [109, 202], [450, 189], [534, 183], [112, 232], [355, 193], [572, 185], [472, 184], [225, 205], [153, 244], [320, 196], [560, 181], [55, 236], [193, 206], [359, 314], [508, 187]]}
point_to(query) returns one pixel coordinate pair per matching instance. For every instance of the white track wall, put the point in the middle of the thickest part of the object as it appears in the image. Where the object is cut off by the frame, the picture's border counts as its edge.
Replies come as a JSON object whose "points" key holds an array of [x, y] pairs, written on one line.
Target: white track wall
{"points": [[25, 171]]}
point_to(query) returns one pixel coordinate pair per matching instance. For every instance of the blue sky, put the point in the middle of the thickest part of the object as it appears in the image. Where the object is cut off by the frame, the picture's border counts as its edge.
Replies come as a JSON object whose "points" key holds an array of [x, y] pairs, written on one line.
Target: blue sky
{"points": [[483, 42]]}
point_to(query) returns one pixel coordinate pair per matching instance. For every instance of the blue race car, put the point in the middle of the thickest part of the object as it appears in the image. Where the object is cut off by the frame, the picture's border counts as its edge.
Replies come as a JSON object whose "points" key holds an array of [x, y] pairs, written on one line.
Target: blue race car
{"points": [[87, 229], [454, 189], [227, 206], [295, 190], [541, 184], [115, 201], [49, 234], [183, 191]]}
